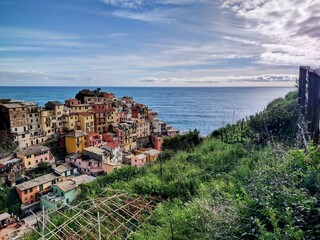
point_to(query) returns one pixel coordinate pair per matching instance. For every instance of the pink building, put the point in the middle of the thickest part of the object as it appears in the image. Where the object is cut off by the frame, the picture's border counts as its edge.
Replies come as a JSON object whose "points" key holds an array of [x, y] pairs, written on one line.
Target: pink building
{"points": [[72, 102], [172, 132], [157, 142], [138, 160], [111, 140], [108, 95], [85, 164], [31, 157], [94, 139]]}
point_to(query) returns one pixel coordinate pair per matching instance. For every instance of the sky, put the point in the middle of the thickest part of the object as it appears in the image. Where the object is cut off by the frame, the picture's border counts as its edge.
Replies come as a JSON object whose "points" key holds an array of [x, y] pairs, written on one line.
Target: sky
{"points": [[157, 42]]}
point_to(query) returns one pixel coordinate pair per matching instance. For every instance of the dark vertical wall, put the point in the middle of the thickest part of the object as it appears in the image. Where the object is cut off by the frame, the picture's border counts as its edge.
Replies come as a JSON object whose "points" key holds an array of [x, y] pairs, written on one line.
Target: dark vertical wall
{"points": [[309, 99]]}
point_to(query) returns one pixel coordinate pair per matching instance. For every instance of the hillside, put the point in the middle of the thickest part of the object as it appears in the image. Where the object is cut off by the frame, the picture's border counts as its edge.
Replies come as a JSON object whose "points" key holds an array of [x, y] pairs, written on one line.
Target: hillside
{"points": [[245, 181]]}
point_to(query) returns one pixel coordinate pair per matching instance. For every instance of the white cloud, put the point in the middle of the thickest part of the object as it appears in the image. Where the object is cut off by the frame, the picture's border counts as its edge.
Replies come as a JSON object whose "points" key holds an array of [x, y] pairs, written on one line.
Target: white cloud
{"points": [[131, 4], [155, 15], [291, 28]]}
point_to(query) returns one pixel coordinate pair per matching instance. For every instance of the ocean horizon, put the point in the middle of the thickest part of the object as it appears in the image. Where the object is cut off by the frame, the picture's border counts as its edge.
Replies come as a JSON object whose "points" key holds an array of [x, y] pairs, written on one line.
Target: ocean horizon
{"points": [[185, 108]]}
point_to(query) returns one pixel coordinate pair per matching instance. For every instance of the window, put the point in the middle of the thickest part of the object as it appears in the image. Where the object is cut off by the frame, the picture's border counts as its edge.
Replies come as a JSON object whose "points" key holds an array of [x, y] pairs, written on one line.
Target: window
{"points": [[29, 163], [25, 191], [23, 136], [36, 161], [41, 187]]}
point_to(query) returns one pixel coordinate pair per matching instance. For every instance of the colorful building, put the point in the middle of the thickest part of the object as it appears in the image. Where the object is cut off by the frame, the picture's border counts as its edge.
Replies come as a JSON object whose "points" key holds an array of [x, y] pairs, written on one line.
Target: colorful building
{"points": [[80, 108], [86, 122], [72, 102], [32, 156], [70, 122], [66, 170], [100, 118], [85, 164], [76, 142], [63, 192], [157, 141], [94, 139], [51, 118], [143, 132], [138, 160], [29, 192]]}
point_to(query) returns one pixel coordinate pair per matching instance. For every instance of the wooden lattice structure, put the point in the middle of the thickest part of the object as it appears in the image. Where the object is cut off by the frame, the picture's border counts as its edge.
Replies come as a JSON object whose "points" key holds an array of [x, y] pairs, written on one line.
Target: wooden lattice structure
{"points": [[114, 216]]}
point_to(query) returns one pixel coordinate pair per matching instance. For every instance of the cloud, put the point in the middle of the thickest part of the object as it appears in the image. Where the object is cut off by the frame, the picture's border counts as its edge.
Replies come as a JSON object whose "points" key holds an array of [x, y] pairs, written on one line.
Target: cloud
{"points": [[239, 40], [291, 28], [130, 4], [287, 79], [153, 16]]}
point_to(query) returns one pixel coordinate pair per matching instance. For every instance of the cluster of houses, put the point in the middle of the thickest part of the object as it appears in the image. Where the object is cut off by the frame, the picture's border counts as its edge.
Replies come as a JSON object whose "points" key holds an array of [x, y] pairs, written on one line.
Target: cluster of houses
{"points": [[100, 133]]}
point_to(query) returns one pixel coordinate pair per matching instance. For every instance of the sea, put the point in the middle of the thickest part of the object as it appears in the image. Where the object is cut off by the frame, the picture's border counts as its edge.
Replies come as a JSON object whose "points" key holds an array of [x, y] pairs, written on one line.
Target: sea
{"points": [[185, 108]]}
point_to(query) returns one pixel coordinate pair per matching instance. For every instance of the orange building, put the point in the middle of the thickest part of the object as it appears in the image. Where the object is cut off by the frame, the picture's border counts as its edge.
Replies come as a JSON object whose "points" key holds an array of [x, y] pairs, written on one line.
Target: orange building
{"points": [[29, 191]]}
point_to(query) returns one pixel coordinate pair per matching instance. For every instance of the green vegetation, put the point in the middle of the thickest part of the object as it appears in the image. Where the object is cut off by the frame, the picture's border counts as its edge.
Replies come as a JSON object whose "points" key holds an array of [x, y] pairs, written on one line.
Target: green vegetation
{"points": [[58, 151], [7, 146], [9, 200], [277, 123], [88, 93], [242, 182]]}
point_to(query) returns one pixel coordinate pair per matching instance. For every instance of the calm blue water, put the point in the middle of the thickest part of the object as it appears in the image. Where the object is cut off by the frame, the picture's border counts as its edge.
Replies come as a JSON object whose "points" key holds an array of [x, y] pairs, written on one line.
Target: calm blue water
{"points": [[184, 108]]}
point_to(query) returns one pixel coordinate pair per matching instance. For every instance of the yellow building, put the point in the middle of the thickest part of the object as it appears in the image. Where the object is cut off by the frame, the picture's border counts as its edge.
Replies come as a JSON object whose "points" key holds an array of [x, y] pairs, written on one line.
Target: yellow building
{"points": [[112, 116], [76, 142], [31, 157], [81, 108], [129, 129], [86, 122], [70, 122], [51, 118]]}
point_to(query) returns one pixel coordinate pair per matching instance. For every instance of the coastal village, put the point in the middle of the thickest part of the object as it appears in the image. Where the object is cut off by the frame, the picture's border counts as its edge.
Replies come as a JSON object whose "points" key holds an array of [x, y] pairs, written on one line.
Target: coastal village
{"points": [[90, 135]]}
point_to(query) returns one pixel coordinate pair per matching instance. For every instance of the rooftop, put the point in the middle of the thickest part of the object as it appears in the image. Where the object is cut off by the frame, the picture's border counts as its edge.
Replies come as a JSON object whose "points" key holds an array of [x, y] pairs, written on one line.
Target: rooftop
{"points": [[153, 152], [52, 197], [141, 156], [74, 155], [37, 181], [95, 150], [34, 150], [73, 183], [4, 216], [63, 168], [76, 134], [56, 103]]}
